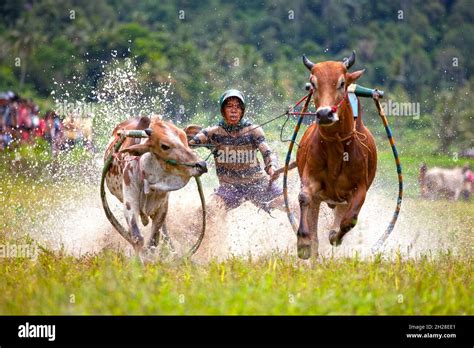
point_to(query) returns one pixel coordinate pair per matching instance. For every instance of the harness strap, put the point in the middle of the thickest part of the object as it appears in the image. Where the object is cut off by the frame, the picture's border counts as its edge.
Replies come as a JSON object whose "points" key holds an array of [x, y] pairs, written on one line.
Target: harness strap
{"points": [[175, 162], [392, 222], [337, 137], [289, 213], [334, 108], [353, 133]]}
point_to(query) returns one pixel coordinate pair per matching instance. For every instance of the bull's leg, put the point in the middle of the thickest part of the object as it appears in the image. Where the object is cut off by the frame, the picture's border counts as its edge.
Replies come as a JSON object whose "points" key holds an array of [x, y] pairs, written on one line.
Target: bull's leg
{"points": [[158, 221], [131, 199], [349, 218], [135, 234], [313, 217], [167, 239], [307, 235], [339, 212], [456, 195], [144, 218]]}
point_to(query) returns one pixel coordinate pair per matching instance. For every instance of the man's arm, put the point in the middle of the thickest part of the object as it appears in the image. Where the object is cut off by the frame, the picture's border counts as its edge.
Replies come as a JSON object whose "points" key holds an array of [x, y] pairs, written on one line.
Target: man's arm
{"points": [[269, 158], [202, 137]]}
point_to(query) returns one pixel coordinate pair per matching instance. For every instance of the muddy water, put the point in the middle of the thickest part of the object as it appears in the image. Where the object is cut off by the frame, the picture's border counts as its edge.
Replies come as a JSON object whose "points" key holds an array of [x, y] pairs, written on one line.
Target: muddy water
{"points": [[80, 227]]}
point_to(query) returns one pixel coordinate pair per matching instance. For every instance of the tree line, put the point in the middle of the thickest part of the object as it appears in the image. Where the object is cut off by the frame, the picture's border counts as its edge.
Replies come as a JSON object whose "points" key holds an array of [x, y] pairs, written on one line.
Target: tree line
{"points": [[418, 51]]}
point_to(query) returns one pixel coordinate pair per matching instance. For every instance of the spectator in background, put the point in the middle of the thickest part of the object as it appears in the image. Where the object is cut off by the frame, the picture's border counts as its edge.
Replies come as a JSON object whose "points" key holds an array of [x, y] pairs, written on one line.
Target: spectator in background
{"points": [[9, 122], [12, 117], [3, 109], [49, 127], [86, 126], [20, 122], [70, 130], [58, 134], [24, 120], [40, 127], [53, 130]]}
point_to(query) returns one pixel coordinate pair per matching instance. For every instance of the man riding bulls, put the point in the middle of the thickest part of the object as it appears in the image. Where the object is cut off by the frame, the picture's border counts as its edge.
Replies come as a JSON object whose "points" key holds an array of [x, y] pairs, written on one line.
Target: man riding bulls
{"points": [[236, 142]]}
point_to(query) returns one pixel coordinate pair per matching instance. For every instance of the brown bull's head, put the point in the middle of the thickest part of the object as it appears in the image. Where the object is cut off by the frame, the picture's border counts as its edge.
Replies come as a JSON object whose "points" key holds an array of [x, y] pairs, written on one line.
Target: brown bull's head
{"points": [[330, 81], [169, 143]]}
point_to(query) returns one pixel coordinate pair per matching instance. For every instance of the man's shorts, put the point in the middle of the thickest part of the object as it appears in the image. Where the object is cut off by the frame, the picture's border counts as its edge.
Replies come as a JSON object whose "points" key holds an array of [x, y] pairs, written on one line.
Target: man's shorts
{"points": [[259, 193]]}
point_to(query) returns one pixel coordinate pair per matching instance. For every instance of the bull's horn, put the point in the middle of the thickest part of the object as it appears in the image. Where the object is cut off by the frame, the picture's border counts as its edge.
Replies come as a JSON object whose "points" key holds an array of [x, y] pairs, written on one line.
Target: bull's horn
{"points": [[348, 62], [309, 64], [148, 131]]}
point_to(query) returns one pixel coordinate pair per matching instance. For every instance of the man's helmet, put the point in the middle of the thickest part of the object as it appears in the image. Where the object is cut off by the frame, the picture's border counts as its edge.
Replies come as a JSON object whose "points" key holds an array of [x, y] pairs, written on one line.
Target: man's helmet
{"points": [[229, 94]]}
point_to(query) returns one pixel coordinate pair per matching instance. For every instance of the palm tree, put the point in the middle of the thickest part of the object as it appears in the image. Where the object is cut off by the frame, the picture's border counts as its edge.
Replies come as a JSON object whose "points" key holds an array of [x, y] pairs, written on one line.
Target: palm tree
{"points": [[23, 39]]}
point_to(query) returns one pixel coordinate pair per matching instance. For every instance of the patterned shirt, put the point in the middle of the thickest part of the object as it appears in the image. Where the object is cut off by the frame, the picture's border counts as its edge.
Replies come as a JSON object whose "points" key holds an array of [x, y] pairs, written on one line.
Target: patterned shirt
{"points": [[235, 151]]}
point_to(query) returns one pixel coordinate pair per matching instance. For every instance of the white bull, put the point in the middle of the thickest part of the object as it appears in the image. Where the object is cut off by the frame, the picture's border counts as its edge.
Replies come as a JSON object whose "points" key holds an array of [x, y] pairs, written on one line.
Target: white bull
{"points": [[441, 182], [142, 174]]}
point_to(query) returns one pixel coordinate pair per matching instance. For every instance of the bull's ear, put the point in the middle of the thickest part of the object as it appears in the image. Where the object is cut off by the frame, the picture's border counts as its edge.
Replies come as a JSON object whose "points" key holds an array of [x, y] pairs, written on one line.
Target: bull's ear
{"points": [[137, 150], [192, 130], [352, 77]]}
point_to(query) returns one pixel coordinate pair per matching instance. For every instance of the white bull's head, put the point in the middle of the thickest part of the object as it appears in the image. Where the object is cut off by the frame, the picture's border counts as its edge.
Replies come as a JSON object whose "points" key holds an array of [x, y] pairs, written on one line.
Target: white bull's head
{"points": [[167, 145]]}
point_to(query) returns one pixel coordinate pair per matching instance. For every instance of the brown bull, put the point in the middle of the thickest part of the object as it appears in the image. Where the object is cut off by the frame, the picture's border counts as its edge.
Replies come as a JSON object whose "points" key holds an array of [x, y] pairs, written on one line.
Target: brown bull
{"points": [[141, 175], [336, 159]]}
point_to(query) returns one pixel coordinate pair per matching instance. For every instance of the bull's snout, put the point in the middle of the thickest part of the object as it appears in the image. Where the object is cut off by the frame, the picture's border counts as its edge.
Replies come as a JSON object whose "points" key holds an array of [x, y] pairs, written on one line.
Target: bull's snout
{"points": [[325, 116], [201, 167]]}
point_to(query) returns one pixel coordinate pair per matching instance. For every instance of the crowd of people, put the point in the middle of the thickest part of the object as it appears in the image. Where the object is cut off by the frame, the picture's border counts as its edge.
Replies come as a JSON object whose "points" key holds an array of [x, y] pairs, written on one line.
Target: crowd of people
{"points": [[21, 123]]}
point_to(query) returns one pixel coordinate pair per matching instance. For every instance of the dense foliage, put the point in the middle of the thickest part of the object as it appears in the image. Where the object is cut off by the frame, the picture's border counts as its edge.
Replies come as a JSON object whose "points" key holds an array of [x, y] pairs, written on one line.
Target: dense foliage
{"points": [[418, 51]]}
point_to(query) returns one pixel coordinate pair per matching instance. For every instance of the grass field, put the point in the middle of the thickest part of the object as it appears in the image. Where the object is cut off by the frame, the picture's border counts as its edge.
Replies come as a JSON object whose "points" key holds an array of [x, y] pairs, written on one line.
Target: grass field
{"points": [[109, 283]]}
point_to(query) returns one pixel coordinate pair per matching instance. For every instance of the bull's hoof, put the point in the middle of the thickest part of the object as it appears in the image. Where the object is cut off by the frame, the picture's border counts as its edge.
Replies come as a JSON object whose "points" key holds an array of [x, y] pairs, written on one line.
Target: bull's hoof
{"points": [[139, 241], [152, 249], [334, 238], [304, 251], [145, 219]]}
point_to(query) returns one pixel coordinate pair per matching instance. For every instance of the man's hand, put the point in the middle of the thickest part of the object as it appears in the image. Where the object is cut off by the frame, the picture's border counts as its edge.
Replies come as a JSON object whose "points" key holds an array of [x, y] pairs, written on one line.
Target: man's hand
{"points": [[192, 130], [272, 174]]}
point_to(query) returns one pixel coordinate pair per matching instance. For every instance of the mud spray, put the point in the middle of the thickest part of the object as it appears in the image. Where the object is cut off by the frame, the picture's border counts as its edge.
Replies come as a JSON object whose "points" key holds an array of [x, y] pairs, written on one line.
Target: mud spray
{"points": [[79, 226], [72, 218]]}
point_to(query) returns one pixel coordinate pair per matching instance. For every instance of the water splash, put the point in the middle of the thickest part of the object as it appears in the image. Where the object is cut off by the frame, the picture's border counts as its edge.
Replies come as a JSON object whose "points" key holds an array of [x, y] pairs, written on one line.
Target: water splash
{"points": [[66, 210], [121, 93]]}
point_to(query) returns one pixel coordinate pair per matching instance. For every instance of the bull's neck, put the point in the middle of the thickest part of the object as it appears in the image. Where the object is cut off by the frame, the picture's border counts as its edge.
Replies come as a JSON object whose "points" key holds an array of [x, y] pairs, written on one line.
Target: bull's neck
{"points": [[335, 149]]}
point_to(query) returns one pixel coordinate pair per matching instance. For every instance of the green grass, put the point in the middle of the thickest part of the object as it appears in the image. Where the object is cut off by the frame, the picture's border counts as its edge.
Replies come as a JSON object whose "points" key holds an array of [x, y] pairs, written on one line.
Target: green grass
{"points": [[109, 283]]}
